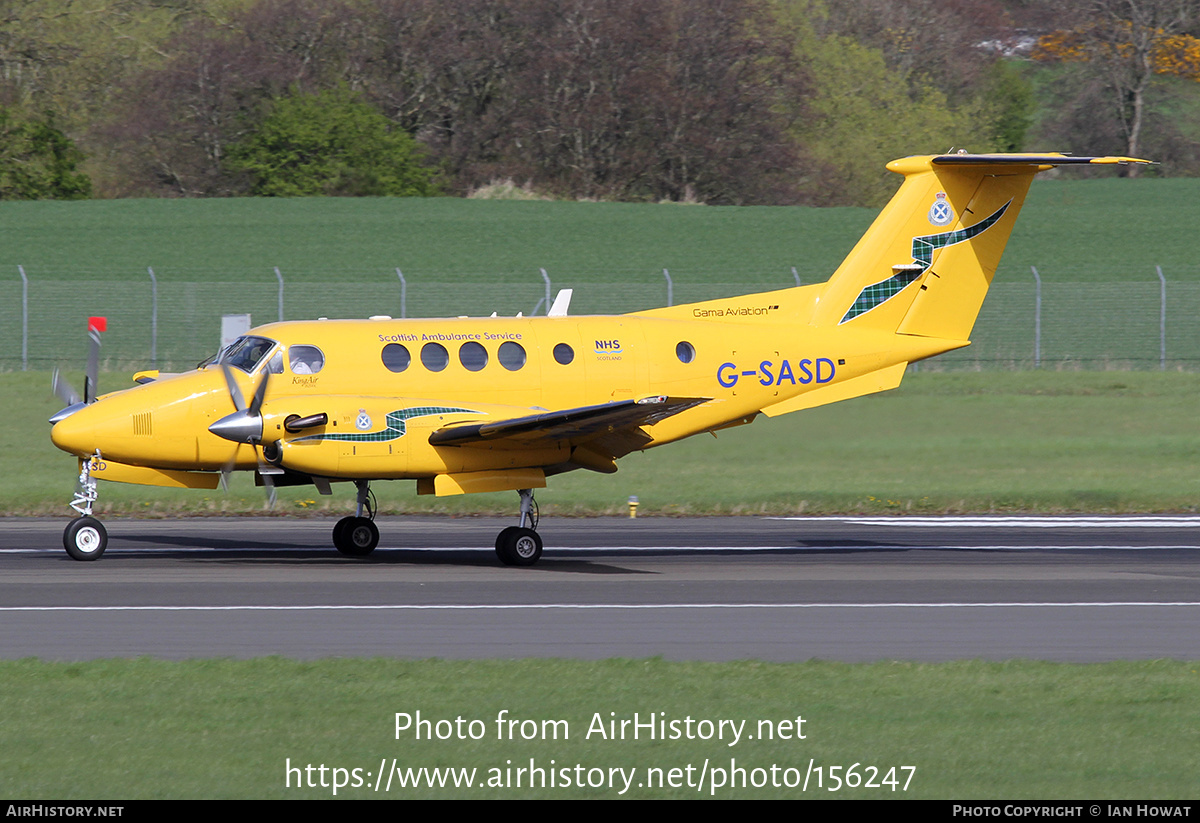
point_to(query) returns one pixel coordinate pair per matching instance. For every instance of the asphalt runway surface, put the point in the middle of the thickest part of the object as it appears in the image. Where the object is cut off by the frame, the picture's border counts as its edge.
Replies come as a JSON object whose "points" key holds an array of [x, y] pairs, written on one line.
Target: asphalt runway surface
{"points": [[728, 588]]}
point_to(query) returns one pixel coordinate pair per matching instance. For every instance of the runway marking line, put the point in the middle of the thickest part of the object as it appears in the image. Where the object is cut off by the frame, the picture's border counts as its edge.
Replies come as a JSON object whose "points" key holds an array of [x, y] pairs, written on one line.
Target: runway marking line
{"points": [[1013, 521], [557, 550], [597, 606]]}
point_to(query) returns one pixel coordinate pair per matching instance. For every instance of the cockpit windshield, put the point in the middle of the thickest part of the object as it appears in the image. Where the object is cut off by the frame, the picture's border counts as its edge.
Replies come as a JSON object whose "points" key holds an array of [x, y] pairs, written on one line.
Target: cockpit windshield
{"points": [[246, 352]]}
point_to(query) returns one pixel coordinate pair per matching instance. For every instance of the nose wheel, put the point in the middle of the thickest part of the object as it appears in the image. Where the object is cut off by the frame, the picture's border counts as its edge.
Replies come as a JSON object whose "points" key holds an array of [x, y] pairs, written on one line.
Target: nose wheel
{"points": [[85, 538], [521, 545]]}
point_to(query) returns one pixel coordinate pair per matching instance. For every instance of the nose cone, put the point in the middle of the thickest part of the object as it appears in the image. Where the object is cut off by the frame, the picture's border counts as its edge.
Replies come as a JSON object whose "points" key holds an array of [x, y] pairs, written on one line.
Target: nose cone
{"points": [[76, 433]]}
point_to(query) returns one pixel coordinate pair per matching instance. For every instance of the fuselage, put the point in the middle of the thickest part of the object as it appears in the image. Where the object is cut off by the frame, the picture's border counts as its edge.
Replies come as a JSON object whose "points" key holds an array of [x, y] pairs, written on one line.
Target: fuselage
{"points": [[742, 355]]}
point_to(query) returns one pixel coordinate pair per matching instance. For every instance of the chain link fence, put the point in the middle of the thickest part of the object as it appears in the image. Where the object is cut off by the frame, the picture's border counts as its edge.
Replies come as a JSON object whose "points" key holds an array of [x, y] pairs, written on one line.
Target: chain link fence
{"points": [[173, 322]]}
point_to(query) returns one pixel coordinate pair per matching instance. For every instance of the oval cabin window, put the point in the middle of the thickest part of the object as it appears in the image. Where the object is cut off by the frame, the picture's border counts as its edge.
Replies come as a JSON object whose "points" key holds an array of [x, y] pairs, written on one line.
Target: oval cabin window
{"points": [[511, 355], [396, 357]]}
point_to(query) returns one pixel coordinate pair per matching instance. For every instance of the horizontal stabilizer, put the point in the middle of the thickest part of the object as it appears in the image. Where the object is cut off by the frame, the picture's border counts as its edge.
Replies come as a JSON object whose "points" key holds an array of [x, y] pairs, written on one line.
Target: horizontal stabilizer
{"points": [[876, 381], [1050, 159]]}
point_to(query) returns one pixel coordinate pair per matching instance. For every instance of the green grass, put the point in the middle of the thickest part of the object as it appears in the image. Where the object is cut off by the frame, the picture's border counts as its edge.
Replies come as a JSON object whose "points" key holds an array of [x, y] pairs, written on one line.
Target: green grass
{"points": [[129, 729], [1094, 229], [962, 442], [338, 258]]}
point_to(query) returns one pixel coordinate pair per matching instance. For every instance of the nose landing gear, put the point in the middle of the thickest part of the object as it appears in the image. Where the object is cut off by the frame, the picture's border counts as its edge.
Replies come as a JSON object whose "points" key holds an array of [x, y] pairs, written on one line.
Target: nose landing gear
{"points": [[85, 537]]}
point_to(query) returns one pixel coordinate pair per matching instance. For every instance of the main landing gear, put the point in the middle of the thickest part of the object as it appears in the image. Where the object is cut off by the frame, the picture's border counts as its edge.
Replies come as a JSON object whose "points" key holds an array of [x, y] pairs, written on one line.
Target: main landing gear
{"points": [[521, 545], [358, 536], [85, 537]]}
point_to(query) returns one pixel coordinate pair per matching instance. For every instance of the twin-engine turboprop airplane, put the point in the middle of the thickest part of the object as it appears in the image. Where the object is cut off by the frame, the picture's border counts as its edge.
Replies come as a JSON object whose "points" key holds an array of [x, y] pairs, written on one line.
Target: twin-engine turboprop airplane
{"points": [[500, 403]]}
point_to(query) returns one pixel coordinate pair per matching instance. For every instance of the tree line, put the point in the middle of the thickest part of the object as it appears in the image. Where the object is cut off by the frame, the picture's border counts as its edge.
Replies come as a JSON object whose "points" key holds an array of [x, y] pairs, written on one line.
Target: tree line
{"points": [[712, 101]]}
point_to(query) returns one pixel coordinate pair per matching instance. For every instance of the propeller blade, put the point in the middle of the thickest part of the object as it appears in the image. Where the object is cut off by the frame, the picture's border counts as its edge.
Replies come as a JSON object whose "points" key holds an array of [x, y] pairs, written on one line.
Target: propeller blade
{"points": [[63, 389], [269, 482], [259, 393], [227, 469], [235, 393], [93, 365]]}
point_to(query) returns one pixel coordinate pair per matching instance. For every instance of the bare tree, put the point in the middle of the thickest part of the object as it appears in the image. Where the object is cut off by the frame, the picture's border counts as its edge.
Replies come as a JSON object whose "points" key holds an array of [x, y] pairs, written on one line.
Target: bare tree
{"points": [[1122, 43]]}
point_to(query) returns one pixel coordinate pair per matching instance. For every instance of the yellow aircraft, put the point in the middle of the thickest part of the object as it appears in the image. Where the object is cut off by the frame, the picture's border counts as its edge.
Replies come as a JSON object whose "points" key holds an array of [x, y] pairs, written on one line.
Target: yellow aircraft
{"points": [[501, 403]]}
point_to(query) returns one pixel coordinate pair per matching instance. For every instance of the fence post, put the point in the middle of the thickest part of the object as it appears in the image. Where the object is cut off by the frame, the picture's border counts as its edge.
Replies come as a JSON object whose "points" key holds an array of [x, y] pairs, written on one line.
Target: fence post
{"points": [[1162, 320], [24, 319], [153, 319], [403, 294], [1037, 318], [279, 277], [670, 288], [545, 277]]}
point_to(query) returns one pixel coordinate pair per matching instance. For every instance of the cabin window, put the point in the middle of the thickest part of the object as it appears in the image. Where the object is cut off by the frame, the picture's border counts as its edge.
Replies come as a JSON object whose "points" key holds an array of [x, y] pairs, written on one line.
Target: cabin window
{"points": [[396, 357], [473, 356], [563, 353], [434, 356], [305, 359], [512, 355], [685, 351]]}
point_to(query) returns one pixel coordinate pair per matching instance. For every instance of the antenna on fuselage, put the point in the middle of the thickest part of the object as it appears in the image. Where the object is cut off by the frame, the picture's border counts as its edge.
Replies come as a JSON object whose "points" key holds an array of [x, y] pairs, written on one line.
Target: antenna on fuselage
{"points": [[561, 302]]}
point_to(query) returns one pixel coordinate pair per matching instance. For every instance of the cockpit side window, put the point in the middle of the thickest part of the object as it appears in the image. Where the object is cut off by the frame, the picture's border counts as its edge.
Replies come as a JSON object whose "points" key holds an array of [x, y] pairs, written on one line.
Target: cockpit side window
{"points": [[305, 359], [247, 352]]}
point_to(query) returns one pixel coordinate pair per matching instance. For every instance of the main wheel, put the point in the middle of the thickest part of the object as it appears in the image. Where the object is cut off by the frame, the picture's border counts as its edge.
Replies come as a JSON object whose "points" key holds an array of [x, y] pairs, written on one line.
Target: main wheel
{"points": [[355, 536], [516, 546], [85, 538]]}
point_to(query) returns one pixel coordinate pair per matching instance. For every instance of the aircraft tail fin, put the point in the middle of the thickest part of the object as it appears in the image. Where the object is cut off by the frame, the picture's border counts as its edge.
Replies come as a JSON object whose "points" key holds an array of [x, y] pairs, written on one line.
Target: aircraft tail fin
{"points": [[925, 264]]}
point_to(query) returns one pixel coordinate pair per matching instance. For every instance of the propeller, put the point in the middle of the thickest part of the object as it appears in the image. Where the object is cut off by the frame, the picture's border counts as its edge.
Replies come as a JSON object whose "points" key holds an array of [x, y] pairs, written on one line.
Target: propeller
{"points": [[62, 387], [245, 425]]}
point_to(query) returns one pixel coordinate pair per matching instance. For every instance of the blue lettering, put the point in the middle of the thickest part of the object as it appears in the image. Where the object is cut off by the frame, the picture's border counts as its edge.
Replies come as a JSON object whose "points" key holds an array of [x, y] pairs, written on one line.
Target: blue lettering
{"points": [[825, 361], [727, 375], [804, 370], [767, 378], [785, 372]]}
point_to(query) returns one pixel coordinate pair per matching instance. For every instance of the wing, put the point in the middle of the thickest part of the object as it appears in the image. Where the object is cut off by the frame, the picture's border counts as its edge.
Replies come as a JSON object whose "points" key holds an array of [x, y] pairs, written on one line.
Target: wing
{"points": [[598, 434]]}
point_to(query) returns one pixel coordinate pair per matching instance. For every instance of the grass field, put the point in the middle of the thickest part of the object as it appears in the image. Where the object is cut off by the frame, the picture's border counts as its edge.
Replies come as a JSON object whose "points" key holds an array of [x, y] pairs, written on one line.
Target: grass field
{"points": [[972, 442], [338, 258], [1095, 229], [972, 730]]}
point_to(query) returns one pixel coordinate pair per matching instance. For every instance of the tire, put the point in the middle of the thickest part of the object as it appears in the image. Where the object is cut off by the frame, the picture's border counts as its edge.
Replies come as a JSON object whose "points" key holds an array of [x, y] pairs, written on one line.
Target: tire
{"points": [[355, 536], [85, 538], [516, 546]]}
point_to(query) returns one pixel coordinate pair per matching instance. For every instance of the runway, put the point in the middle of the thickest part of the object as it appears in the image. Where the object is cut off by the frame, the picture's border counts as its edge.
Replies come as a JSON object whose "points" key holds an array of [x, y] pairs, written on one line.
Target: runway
{"points": [[850, 589]]}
